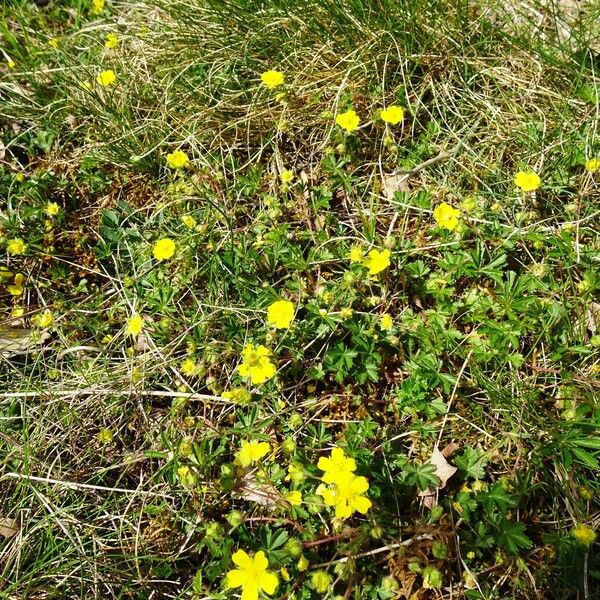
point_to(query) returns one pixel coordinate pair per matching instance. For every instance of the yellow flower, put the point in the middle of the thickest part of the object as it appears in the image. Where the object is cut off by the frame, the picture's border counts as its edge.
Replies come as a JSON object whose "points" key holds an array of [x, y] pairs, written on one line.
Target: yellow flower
{"points": [[584, 534], [347, 495], [239, 395], [163, 249], [256, 364], [134, 325], [302, 564], [280, 314], [10, 63], [386, 322], [446, 216], [527, 180], [106, 78], [97, 7], [377, 261], [54, 43], [294, 498], [346, 313], [111, 40], [186, 477], [250, 452], [16, 246], [348, 120], [392, 114], [252, 575], [105, 436], [272, 79], [177, 159], [52, 209], [321, 581], [295, 473], [188, 367], [44, 320], [336, 466], [287, 176], [592, 165], [356, 254], [16, 288], [188, 221]]}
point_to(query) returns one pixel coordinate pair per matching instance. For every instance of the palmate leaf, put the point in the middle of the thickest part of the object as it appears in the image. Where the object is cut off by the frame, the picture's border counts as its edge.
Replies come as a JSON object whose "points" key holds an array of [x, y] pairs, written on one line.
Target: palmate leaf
{"points": [[512, 537], [497, 497], [472, 462]]}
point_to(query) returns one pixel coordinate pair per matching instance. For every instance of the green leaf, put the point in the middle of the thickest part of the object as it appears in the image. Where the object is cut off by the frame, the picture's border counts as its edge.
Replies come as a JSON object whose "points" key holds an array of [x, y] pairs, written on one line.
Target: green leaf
{"points": [[585, 458], [472, 462], [497, 497], [512, 537]]}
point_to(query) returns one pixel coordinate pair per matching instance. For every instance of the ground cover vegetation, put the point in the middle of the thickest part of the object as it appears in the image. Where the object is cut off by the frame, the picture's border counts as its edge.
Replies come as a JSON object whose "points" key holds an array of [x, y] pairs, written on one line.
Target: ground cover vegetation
{"points": [[299, 299]]}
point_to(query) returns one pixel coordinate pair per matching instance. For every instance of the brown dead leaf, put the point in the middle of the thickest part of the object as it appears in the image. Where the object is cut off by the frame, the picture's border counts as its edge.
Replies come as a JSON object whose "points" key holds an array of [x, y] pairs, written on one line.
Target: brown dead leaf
{"points": [[390, 184], [260, 492], [8, 527], [592, 317], [443, 469]]}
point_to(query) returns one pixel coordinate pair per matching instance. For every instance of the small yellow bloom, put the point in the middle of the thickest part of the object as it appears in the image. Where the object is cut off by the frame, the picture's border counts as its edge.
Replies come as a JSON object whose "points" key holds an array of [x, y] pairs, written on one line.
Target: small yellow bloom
{"points": [[446, 216], [186, 477], [592, 165], [97, 7], [134, 325], [356, 254], [321, 581], [105, 436], [10, 63], [106, 78], [584, 534], [347, 495], [52, 209], [392, 114], [280, 314], [295, 473], [377, 261], [188, 367], [16, 288], [256, 364], [16, 246], [111, 40], [294, 498], [164, 249], [336, 465], [348, 120], [177, 159], [287, 176], [188, 221], [284, 574], [238, 395], [17, 312], [43, 320], [302, 564], [250, 452], [272, 79], [528, 181], [252, 575], [346, 313], [386, 322], [54, 43]]}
